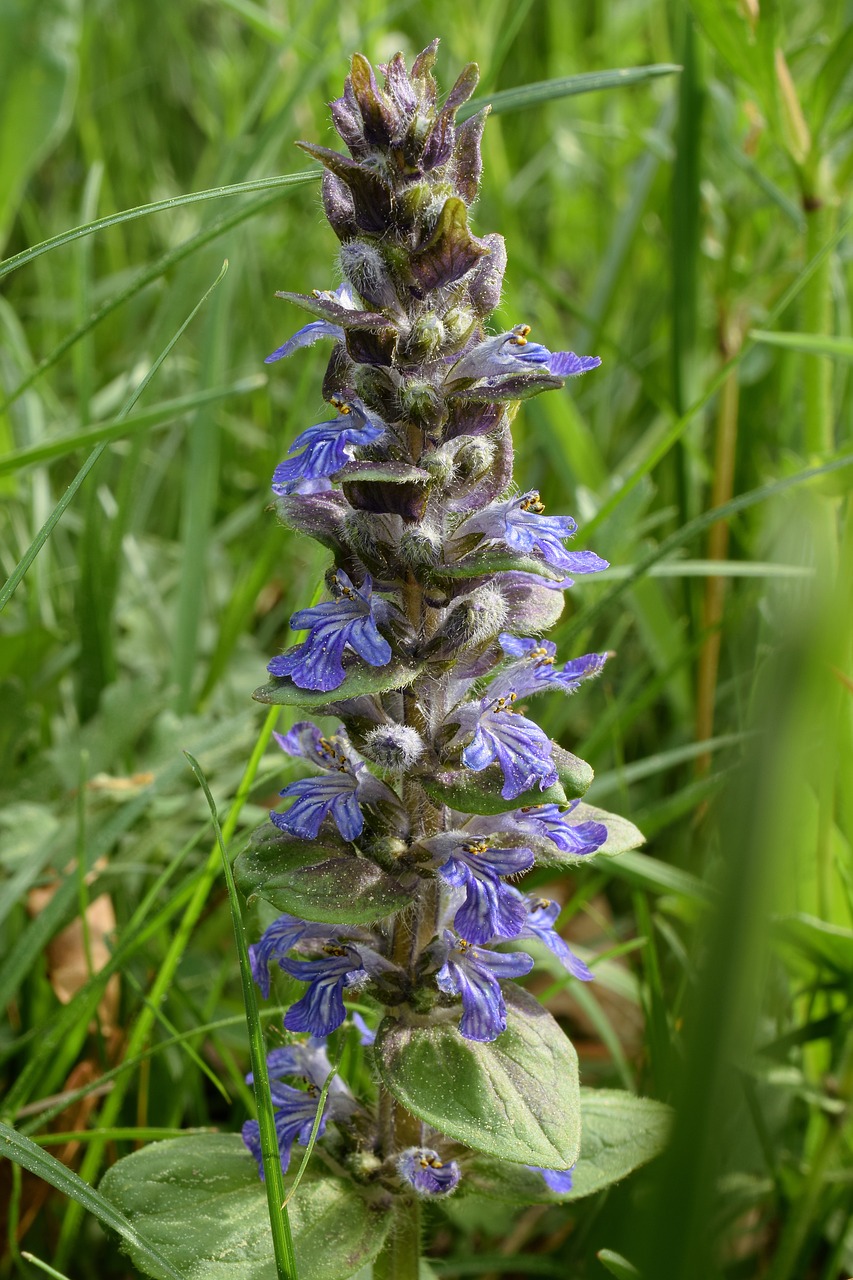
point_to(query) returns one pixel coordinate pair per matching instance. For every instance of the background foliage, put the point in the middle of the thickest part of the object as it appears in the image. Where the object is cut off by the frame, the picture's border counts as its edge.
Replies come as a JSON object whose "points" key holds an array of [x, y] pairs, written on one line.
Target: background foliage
{"points": [[662, 226]]}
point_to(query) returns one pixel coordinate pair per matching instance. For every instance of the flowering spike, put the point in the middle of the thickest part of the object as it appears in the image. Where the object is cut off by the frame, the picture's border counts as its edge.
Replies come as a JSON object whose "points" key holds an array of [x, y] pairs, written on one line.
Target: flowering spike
{"points": [[444, 578]]}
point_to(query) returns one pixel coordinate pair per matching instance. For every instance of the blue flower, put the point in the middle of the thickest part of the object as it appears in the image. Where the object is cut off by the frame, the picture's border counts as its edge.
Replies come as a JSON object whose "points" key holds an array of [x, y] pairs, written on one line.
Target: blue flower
{"points": [[303, 1058], [475, 975], [552, 823], [333, 795], [534, 669], [338, 793], [366, 1037], [559, 1180], [326, 446], [503, 736], [542, 914], [310, 333], [503, 354], [294, 1121], [348, 620], [321, 1010], [520, 525], [426, 1173], [281, 936], [490, 909]]}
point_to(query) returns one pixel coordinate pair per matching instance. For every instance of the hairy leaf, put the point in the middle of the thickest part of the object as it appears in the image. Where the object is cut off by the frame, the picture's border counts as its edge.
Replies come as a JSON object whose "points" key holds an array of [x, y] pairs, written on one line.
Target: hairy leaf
{"points": [[516, 1098], [619, 1133], [359, 680], [317, 883], [201, 1202]]}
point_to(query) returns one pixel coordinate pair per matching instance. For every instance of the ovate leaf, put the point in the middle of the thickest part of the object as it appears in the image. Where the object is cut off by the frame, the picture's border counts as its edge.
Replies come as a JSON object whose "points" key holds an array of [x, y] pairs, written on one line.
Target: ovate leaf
{"points": [[575, 774], [619, 1133], [360, 679], [516, 1098], [200, 1201], [316, 883], [470, 792]]}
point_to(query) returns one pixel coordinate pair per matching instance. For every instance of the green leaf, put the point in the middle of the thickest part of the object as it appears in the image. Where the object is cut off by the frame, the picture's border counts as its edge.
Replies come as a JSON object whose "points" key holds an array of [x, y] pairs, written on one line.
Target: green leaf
{"points": [[470, 792], [38, 76], [317, 883], [619, 1133], [282, 692], [483, 563], [516, 1098], [575, 774], [618, 1266], [25, 1153], [201, 1201], [812, 344], [533, 95], [385, 472]]}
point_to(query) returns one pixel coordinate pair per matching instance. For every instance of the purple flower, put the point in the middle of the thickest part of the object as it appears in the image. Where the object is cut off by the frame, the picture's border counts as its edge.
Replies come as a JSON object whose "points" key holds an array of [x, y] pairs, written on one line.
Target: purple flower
{"points": [[534, 669], [348, 620], [490, 909], [366, 1037], [326, 446], [310, 333], [332, 795], [339, 793], [321, 1010], [294, 1121], [504, 353], [503, 736], [281, 936], [542, 914], [426, 1173], [552, 823], [304, 1058], [520, 525], [559, 1180], [474, 974]]}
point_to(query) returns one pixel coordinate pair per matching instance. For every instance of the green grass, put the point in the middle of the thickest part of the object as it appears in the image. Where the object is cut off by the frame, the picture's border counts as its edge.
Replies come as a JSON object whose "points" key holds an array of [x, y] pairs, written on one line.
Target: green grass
{"points": [[692, 228]]}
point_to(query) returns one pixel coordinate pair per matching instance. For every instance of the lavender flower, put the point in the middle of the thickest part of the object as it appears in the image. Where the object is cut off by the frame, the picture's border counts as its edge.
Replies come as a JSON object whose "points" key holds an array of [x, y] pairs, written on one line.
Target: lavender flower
{"points": [[326, 446], [311, 333], [475, 974], [426, 1173], [541, 916], [534, 669], [315, 799], [321, 1010], [347, 621], [559, 1180], [294, 1121], [550, 822], [490, 910], [505, 737], [281, 937], [505, 352], [520, 525]]}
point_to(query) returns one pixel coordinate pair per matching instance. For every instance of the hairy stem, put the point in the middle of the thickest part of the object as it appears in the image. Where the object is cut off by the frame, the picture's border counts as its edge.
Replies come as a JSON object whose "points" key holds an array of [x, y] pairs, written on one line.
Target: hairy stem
{"points": [[400, 1256]]}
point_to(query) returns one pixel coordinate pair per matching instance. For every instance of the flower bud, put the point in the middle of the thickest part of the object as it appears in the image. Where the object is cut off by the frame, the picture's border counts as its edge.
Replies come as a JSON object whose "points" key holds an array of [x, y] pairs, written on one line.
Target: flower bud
{"points": [[366, 269], [425, 339], [421, 404], [420, 547], [471, 624], [457, 325], [393, 746], [475, 458]]}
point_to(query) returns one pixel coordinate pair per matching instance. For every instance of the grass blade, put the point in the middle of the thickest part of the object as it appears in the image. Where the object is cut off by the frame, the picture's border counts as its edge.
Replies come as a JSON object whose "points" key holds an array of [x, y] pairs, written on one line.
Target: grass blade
{"points": [[533, 95], [321, 1107], [811, 344], [20, 571], [273, 1180], [159, 415], [31, 1157], [174, 202]]}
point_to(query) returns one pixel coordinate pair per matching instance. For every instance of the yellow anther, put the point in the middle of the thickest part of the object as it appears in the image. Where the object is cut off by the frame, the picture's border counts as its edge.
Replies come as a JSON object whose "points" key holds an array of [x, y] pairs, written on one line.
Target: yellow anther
{"points": [[330, 950], [341, 405], [519, 335]]}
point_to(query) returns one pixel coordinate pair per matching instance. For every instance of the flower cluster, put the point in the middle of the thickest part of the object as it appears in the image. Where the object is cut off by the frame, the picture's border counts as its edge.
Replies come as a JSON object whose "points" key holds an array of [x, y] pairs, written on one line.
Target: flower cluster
{"points": [[400, 841]]}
